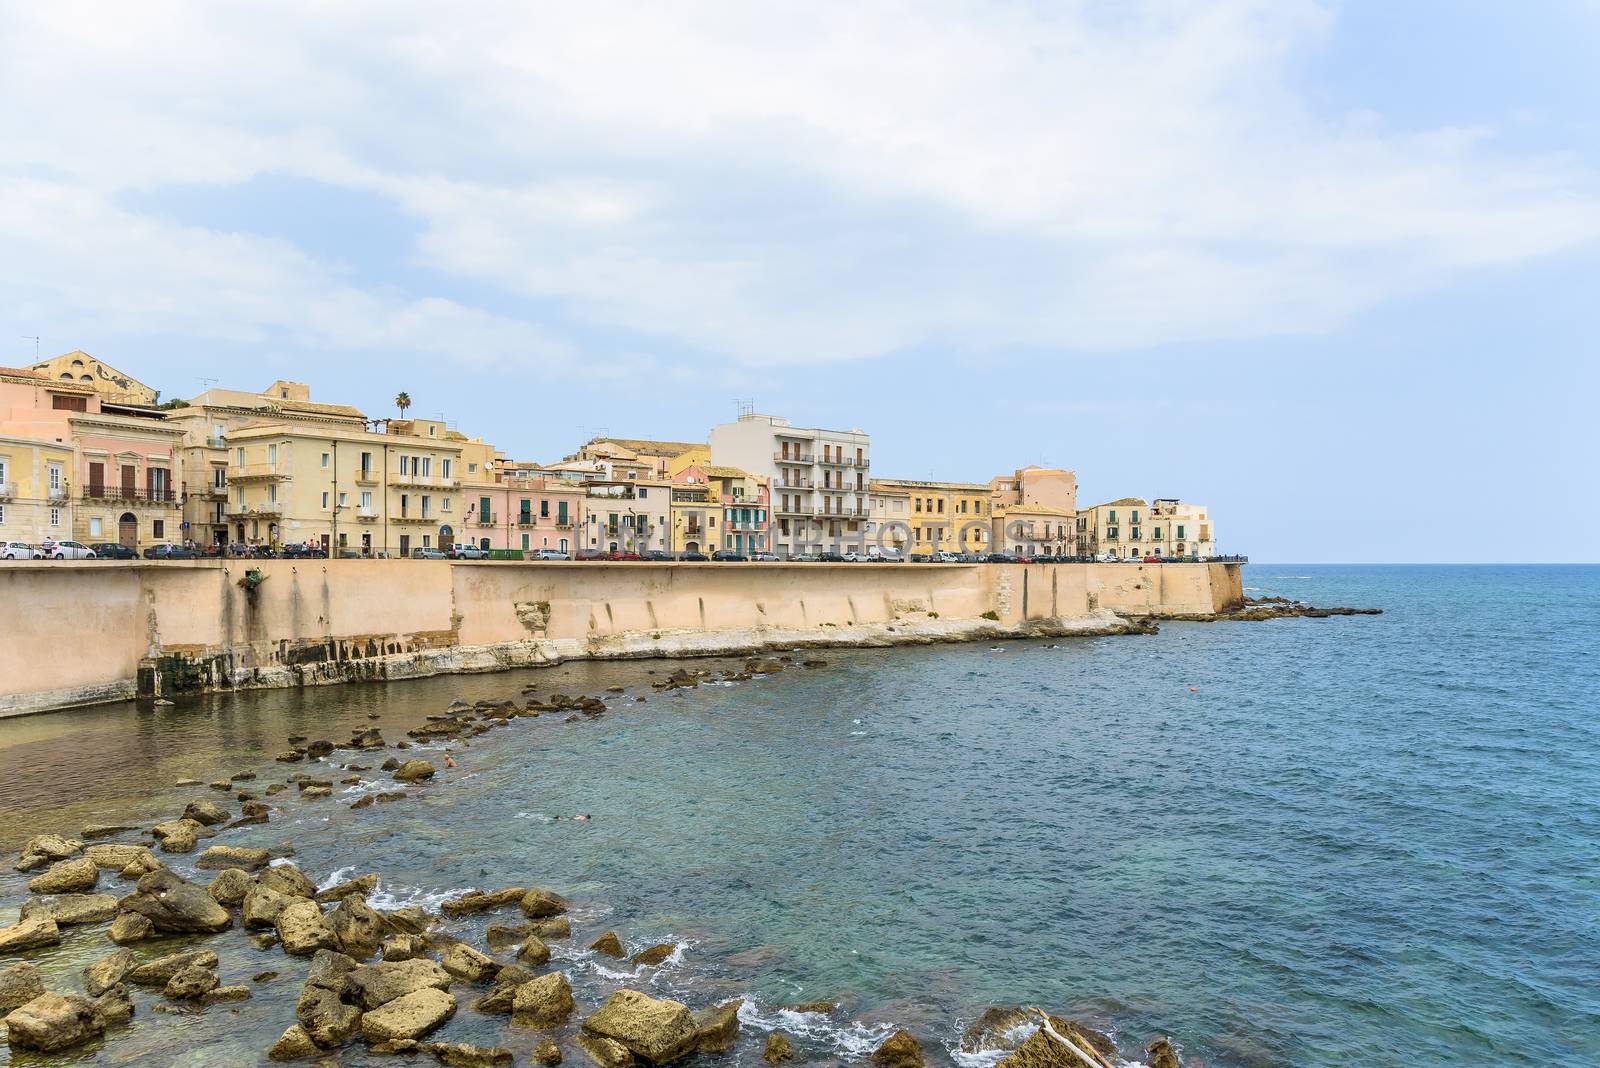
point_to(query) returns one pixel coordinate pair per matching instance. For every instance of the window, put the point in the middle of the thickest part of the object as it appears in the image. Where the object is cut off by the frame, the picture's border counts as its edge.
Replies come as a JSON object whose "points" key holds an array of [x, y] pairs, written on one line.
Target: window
{"points": [[444, 468], [342, 496], [238, 456], [94, 526], [426, 501], [644, 492], [69, 404], [158, 528], [2, 513], [272, 456], [1180, 531], [272, 493], [55, 478], [444, 504], [324, 500], [324, 459], [366, 500], [405, 464]]}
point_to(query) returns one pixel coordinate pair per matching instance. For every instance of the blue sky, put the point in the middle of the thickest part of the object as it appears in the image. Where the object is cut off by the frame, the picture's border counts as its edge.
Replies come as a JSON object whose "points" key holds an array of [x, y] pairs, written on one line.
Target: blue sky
{"points": [[1327, 267]]}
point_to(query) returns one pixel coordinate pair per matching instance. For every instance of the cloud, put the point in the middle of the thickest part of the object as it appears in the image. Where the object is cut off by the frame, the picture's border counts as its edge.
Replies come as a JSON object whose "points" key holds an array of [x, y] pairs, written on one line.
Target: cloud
{"points": [[764, 183]]}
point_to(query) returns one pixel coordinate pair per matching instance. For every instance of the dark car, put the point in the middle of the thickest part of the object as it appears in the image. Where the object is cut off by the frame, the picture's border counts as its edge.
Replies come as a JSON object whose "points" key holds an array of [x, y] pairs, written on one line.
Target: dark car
{"points": [[589, 554], [656, 556], [730, 557], [831, 558], [694, 558], [110, 550], [167, 550], [999, 558]]}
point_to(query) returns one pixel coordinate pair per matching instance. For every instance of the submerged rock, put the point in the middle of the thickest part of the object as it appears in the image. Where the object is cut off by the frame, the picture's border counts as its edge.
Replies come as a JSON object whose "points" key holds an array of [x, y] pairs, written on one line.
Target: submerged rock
{"points": [[416, 1014], [160, 971], [66, 877], [715, 1029], [655, 1029], [19, 984], [467, 1055], [54, 1021], [292, 1045], [899, 1050], [778, 1049], [107, 972], [656, 954], [174, 905], [481, 900], [360, 886], [610, 945], [114, 1006]]}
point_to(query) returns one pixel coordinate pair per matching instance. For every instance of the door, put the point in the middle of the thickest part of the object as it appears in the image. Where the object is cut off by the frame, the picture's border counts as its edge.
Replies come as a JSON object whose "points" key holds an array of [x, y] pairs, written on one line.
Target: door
{"points": [[97, 480], [405, 545], [128, 529], [130, 483], [447, 538]]}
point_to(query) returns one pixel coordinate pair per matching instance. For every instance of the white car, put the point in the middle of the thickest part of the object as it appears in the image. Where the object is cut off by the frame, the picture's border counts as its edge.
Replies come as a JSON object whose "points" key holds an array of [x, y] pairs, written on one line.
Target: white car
{"points": [[19, 550], [551, 554], [765, 558], [67, 550]]}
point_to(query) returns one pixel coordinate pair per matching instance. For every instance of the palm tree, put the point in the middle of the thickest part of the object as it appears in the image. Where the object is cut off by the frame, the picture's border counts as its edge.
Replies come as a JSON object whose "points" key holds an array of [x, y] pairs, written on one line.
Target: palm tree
{"points": [[402, 401]]}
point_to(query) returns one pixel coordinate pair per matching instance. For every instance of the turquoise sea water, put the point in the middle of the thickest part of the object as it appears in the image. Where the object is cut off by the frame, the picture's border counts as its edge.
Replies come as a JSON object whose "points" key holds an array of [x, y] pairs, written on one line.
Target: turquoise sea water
{"points": [[1310, 842]]}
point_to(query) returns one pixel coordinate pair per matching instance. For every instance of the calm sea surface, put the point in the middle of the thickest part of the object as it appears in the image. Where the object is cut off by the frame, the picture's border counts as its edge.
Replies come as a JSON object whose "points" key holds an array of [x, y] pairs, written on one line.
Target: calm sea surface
{"points": [[1352, 841]]}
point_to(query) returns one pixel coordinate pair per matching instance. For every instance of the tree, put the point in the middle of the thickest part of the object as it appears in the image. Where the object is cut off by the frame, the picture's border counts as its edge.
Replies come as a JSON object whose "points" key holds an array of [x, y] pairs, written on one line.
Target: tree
{"points": [[402, 401]]}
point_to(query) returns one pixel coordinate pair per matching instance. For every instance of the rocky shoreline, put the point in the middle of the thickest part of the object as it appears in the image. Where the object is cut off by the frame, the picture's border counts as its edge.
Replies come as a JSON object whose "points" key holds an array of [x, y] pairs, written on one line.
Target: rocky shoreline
{"points": [[390, 978], [1256, 609]]}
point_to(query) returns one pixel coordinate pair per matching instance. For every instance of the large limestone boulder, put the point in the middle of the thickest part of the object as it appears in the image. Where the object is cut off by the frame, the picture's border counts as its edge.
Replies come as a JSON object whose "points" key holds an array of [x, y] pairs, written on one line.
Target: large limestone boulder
{"points": [[657, 1030], [715, 1029], [224, 856], [176, 906], [779, 1049], [610, 945], [323, 1014], [547, 1053], [261, 906], [66, 877], [288, 880], [374, 985], [160, 971], [207, 813], [360, 886], [114, 1006], [482, 900], [31, 933], [899, 1050], [605, 1052], [414, 771], [130, 927], [656, 954], [302, 928], [107, 972], [230, 886], [292, 1045], [539, 903], [1162, 1055], [191, 983], [534, 952], [506, 982], [45, 849], [54, 1021], [179, 835], [19, 984], [357, 928], [464, 962], [1042, 1051], [416, 1014], [542, 1003], [69, 909]]}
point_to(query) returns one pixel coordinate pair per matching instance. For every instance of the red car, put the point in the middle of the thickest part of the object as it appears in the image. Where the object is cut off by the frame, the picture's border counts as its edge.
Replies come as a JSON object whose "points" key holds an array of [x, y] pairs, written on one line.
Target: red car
{"points": [[589, 554], [620, 555], [1152, 559]]}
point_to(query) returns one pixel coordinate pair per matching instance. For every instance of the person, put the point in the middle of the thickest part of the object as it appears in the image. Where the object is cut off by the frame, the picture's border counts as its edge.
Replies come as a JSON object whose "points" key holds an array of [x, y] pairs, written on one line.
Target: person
{"points": [[582, 817], [449, 761]]}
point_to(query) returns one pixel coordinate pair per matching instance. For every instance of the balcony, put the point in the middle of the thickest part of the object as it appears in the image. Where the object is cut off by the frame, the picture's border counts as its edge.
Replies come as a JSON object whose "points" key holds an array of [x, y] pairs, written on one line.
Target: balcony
{"points": [[214, 493], [425, 482], [216, 443], [563, 525], [784, 458], [57, 493], [366, 515], [255, 511], [256, 473], [412, 518], [366, 476], [484, 520], [130, 495], [7, 491], [526, 520]]}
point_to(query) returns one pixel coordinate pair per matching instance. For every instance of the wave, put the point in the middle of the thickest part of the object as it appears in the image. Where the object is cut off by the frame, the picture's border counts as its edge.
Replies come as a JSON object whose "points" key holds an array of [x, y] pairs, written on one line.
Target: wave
{"points": [[853, 1038]]}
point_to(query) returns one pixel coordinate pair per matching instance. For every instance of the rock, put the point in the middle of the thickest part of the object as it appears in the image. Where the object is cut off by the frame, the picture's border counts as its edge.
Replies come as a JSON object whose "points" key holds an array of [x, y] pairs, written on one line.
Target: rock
{"points": [[556, 927], [288, 756], [178, 836], [499, 936], [315, 793], [412, 1016], [547, 1053], [542, 1003], [466, 1055], [206, 812], [1162, 1055], [107, 972], [605, 1052], [66, 877], [176, 906], [31, 933], [506, 982], [403, 947], [357, 928], [19, 984], [390, 764], [480, 901], [230, 886], [114, 1006], [778, 1049], [385, 798], [364, 801], [160, 971], [54, 1021], [655, 1029], [655, 954], [69, 909], [119, 857], [1042, 1051], [191, 982], [534, 952], [464, 962], [253, 809], [226, 994], [715, 1029], [822, 1007], [43, 849], [292, 1045], [375, 985], [130, 927], [302, 929], [538, 903], [263, 977], [288, 880], [610, 945], [105, 830], [414, 771], [990, 1031], [321, 1010], [223, 785], [899, 1050], [222, 856], [362, 885], [262, 905]]}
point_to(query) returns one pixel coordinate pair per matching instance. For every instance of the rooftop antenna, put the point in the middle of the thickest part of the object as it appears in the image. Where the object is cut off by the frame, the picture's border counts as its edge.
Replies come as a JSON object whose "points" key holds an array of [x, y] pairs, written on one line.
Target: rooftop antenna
{"points": [[206, 383], [745, 408], [33, 338]]}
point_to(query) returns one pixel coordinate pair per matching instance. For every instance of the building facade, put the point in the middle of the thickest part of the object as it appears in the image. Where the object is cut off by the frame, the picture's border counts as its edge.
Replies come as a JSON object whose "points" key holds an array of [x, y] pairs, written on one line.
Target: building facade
{"points": [[523, 514], [35, 496], [720, 509], [113, 386], [818, 479], [1033, 511], [938, 516], [626, 516]]}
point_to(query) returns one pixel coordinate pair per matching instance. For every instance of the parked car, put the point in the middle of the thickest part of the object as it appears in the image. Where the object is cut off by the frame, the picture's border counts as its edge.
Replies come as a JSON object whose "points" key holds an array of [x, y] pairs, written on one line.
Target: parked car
{"points": [[428, 553], [302, 552], [1152, 559], [167, 550], [19, 550], [805, 558], [622, 556], [110, 550], [765, 558], [831, 558], [921, 558], [942, 557], [67, 550], [468, 552], [999, 558], [589, 554], [727, 556], [694, 558], [884, 556], [551, 554], [657, 556]]}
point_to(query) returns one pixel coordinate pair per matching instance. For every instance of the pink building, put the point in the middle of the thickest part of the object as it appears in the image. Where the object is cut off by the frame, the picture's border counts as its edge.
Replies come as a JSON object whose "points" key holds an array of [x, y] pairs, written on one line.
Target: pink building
{"points": [[522, 514]]}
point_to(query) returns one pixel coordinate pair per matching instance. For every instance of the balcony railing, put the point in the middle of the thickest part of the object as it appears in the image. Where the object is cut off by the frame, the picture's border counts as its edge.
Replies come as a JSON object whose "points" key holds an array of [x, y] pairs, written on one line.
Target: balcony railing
{"points": [[58, 493], [367, 515], [7, 491], [411, 517], [216, 443], [255, 472], [484, 520], [366, 476], [425, 481], [254, 511], [784, 458], [526, 520], [132, 495]]}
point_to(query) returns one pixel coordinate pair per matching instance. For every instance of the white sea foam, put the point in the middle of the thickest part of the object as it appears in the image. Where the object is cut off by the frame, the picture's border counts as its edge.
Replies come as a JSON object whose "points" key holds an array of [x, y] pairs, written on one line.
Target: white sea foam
{"points": [[852, 1038], [401, 897], [337, 876]]}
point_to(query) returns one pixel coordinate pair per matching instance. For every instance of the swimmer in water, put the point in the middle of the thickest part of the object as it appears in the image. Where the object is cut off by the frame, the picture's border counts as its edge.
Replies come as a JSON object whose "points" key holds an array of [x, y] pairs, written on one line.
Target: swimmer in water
{"points": [[582, 817], [449, 761]]}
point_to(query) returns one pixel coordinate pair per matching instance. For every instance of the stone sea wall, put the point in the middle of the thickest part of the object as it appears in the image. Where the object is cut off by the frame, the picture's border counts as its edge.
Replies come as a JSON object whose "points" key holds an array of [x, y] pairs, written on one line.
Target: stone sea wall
{"points": [[85, 633]]}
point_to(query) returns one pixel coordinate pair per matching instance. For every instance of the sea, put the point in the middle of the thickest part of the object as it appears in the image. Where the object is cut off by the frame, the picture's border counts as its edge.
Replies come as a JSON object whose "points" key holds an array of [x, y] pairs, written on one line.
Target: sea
{"points": [[1368, 840]]}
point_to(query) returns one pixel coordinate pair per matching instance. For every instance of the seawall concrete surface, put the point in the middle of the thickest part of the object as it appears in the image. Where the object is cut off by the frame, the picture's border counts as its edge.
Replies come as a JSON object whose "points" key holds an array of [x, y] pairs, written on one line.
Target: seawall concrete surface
{"points": [[84, 633]]}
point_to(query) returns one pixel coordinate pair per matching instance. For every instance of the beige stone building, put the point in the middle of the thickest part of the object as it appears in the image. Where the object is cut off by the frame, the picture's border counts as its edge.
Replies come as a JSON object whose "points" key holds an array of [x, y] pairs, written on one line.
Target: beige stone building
{"points": [[113, 386], [1033, 511], [938, 516], [644, 457], [818, 478]]}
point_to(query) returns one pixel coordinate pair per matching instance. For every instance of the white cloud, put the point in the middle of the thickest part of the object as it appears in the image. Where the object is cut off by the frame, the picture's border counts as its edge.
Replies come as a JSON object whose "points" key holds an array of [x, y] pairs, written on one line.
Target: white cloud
{"points": [[767, 182]]}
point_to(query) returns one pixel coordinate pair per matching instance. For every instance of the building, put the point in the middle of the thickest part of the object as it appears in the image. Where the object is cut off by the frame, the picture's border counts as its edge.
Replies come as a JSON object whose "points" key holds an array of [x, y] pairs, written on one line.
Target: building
{"points": [[1180, 529], [817, 478], [121, 481], [888, 508], [937, 516], [1115, 529], [1033, 511], [643, 457], [113, 386], [630, 515], [720, 508], [349, 490], [35, 498], [523, 514]]}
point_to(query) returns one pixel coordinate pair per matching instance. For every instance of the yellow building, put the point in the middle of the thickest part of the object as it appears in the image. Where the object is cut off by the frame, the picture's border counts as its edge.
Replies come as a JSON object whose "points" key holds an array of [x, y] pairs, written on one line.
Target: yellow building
{"points": [[937, 517], [348, 490], [113, 386], [1114, 530], [35, 498], [695, 517], [643, 457]]}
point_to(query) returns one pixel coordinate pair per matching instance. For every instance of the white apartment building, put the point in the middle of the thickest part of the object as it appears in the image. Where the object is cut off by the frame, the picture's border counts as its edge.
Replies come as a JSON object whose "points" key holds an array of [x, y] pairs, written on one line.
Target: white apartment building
{"points": [[818, 478]]}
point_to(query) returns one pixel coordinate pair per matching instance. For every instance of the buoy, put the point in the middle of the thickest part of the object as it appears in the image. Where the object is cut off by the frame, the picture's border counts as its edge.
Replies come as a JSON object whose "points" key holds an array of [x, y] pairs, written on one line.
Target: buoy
{"points": [[1193, 690]]}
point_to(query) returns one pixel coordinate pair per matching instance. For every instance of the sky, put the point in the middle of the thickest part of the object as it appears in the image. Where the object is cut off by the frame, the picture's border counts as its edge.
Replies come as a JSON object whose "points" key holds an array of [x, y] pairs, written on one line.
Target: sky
{"points": [[1329, 268]]}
